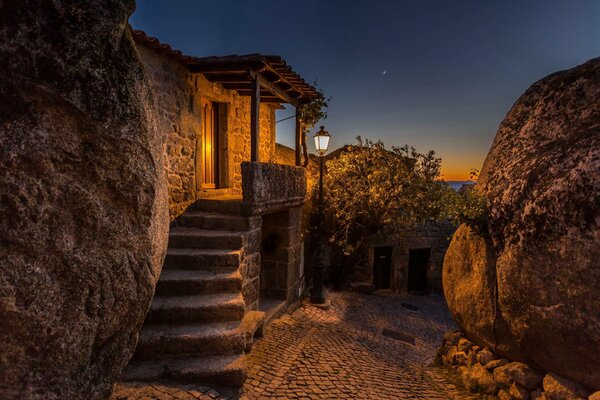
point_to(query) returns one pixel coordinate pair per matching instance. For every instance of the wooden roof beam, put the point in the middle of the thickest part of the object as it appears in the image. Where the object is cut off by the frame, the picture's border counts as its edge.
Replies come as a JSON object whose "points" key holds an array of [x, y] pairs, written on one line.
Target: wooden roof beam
{"points": [[276, 90]]}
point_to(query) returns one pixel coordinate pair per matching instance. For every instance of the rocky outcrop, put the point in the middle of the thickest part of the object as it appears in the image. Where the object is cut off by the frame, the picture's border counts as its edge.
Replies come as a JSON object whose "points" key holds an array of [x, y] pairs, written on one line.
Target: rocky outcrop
{"points": [[528, 287], [482, 371], [83, 214]]}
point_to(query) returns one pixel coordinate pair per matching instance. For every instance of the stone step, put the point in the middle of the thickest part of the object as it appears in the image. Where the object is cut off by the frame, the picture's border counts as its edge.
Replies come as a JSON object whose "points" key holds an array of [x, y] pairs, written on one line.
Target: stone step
{"points": [[212, 193], [224, 204], [229, 370], [196, 308], [218, 221], [202, 259], [181, 282], [252, 325], [182, 237], [217, 338]]}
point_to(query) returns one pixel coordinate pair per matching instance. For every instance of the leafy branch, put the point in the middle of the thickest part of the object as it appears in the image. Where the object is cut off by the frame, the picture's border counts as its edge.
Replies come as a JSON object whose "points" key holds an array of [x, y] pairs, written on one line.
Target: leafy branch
{"points": [[310, 114]]}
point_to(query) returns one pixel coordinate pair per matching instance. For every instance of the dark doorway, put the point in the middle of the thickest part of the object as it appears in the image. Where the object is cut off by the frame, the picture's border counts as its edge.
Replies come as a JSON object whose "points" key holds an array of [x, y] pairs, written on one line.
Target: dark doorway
{"points": [[418, 262], [382, 267]]}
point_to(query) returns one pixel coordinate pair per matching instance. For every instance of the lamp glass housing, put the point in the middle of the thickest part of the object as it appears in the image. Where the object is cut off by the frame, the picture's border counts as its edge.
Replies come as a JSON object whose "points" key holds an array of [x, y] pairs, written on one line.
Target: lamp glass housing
{"points": [[322, 141]]}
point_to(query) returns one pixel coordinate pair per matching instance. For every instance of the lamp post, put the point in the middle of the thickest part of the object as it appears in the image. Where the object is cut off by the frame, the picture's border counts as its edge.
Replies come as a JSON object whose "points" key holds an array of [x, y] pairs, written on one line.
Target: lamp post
{"points": [[317, 295]]}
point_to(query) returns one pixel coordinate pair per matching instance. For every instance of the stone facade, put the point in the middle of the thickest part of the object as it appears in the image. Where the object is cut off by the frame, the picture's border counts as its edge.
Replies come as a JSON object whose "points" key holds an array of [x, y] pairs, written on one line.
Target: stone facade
{"points": [[273, 194], [286, 155], [277, 193], [282, 269], [432, 238], [179, 95]]}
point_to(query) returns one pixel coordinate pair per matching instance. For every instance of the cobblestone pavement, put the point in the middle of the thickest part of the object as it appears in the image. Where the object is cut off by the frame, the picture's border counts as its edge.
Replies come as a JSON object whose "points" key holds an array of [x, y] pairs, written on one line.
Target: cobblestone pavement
{"points": [[363, 347], [163, 391], [359, 349]]}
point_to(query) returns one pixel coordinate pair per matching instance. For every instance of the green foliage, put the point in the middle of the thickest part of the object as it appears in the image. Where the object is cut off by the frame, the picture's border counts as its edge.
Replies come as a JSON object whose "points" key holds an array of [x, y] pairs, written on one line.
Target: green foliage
{"points": [[469, 207], [370, 189], [311, 113]]}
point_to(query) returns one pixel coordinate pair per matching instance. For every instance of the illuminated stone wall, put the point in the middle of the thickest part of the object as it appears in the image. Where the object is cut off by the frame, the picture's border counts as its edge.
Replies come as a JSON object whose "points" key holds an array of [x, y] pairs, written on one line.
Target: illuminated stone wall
{"points": [[179, 95]]}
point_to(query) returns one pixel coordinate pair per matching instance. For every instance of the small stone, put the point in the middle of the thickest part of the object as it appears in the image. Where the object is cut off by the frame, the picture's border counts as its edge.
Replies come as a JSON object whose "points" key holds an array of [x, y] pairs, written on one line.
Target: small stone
{"points": [[594, 396], [502, 378], [471, 358], [450, 353], [482, 380], [485, 356], [517, 372], [518, 392], [468, 382], [496, 363], [459, 358], [504, 395], [558, 388], [464, 345]]}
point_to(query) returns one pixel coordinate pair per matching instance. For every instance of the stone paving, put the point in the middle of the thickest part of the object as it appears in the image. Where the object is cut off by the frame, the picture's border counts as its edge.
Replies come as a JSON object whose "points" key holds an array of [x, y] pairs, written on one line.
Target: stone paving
{"points": [[363, 347]]}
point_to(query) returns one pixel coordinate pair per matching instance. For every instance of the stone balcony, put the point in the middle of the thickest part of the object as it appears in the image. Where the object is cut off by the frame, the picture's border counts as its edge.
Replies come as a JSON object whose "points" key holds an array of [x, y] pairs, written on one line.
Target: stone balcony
{"points": [[268, 188]]}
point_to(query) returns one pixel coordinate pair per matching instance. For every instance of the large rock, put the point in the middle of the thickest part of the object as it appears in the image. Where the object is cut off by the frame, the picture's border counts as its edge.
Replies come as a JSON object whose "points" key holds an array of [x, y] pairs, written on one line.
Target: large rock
{"points": [[528, 286], [83, 216]]}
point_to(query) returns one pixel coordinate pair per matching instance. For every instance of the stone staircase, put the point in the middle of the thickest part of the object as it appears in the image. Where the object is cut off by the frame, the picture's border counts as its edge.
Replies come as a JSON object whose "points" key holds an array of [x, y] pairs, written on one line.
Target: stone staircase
{"points": [[199, 325]]}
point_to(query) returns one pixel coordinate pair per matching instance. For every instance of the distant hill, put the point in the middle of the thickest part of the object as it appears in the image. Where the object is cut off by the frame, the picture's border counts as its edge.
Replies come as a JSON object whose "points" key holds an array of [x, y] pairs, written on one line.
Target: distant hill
{"points": [[457, 185]]}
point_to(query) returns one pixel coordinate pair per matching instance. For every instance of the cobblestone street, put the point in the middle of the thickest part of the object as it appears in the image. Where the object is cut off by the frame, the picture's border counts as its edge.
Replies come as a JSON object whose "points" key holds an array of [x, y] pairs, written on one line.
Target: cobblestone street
{"points": [[359, 349], [364, 347]]}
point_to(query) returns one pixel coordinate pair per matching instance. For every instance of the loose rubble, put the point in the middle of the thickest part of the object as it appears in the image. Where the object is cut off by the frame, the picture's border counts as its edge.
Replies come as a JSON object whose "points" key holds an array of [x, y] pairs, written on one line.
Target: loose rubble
{"points": [[481, 371]]}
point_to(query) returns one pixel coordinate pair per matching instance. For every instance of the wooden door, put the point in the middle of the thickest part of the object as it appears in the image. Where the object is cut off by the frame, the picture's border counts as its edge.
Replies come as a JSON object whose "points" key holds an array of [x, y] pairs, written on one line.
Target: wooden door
{"points": [[382, 267], [418, 262], [210, 145]]}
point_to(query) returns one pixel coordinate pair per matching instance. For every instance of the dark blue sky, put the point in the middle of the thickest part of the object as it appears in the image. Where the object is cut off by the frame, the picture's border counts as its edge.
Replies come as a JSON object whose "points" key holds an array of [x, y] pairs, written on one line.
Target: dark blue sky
{"points": [[452, 68]]}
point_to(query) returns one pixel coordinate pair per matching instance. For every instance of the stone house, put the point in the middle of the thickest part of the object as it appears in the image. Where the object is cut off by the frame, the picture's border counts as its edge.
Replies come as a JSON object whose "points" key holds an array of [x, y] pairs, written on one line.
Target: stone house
{"points": [[410, 262], [235, 243], [406, 262]]}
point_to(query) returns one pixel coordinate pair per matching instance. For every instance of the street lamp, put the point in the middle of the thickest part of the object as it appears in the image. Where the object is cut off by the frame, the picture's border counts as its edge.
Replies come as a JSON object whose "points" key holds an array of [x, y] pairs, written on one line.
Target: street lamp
{"points": [[322, 141], [317, 295]]}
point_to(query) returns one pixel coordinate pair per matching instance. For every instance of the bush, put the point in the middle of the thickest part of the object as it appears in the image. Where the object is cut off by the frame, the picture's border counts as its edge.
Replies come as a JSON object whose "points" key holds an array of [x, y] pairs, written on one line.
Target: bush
{"points": [[370, 189]]}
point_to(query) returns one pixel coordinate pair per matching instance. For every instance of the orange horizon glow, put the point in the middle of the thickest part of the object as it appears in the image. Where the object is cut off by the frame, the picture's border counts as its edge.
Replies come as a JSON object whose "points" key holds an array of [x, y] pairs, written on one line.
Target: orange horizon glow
{"points": [[459, 170]]}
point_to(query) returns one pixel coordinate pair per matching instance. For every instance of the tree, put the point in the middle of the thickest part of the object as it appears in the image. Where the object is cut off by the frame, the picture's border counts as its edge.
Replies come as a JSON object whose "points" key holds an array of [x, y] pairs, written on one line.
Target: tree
{"points": [[370, 189], [310, 114]]}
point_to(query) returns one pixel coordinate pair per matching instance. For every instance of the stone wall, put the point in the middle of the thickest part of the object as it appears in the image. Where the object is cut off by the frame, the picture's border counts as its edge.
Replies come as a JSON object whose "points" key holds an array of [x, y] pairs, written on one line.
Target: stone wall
{"points": [[287, 155], [481, 371], [430, 235], [268, 188], [250, 265], [282, 274], [179, 96]]}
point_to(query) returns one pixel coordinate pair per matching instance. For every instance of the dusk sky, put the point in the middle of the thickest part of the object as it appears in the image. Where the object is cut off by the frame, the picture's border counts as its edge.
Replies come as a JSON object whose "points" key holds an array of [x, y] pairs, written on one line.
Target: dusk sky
{"points": [[437, 75]]}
